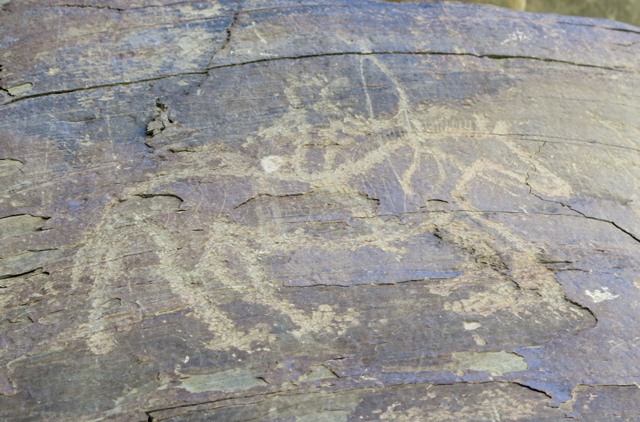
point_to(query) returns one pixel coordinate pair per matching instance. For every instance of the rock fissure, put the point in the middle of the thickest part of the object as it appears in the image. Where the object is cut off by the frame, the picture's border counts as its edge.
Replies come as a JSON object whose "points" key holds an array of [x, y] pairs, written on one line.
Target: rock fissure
{"points": [[161, 195], [569, 207], [368, 385], [89, 6], [609, 28], [309, 56], [583, 215], [530, 137], [269, 195], [122, 9], [23, 274]]}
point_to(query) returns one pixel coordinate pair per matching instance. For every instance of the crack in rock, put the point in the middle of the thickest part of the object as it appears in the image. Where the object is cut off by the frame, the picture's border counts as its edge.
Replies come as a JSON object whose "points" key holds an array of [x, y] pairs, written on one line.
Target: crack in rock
{"points": [[309, 56]]}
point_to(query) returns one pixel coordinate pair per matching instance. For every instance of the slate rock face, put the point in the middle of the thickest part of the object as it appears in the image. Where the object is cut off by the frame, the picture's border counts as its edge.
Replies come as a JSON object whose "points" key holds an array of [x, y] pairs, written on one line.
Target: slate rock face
{"points": [[303, 210]]}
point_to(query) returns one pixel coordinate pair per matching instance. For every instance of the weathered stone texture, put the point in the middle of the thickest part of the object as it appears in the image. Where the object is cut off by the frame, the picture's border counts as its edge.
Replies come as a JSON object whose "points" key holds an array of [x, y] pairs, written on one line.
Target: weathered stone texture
{"points": [[305, 210]]}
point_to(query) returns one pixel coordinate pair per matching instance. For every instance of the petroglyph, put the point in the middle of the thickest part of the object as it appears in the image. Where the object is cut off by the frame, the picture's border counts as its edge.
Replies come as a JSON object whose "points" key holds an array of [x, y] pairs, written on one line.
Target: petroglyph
{"points": [[317, 211], [251, 257]]}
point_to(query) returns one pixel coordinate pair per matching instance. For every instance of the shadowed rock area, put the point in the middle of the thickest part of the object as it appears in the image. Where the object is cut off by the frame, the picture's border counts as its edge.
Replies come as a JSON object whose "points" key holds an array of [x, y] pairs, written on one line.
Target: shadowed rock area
{"points": [[317, 211]]}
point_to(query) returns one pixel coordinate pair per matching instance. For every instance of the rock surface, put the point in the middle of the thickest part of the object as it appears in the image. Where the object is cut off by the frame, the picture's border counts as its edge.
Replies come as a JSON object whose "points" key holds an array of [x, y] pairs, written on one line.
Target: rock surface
{"points": [[317, 211]]}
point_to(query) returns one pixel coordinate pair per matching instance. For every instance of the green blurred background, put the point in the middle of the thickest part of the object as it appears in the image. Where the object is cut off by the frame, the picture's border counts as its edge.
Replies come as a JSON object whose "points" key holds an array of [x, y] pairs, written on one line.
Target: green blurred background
{"points": [[622, 10]]}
